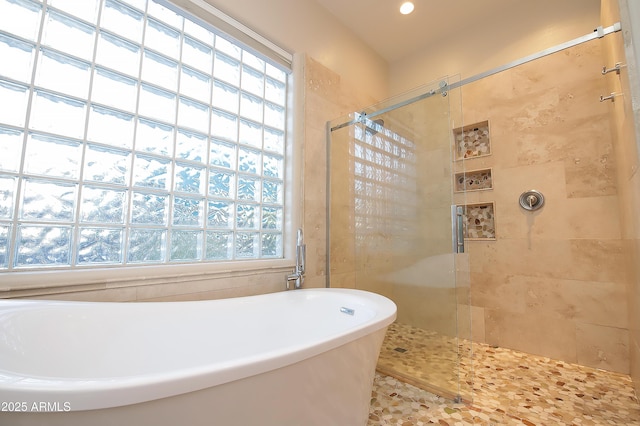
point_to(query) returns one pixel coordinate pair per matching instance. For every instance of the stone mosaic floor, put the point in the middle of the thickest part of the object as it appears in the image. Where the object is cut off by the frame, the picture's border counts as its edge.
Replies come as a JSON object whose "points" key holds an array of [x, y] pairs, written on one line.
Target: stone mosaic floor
{"points": [[508, 388]]}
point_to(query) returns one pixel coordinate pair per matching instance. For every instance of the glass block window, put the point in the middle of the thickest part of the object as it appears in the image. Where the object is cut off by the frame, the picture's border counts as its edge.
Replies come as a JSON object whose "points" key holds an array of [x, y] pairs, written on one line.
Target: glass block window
{"points": [[131, 135]]}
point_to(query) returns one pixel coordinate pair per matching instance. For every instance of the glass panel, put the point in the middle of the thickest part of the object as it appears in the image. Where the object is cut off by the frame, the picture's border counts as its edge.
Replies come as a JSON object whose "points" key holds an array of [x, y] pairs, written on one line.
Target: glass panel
{"points": [[250, 133], [68, 35], [5, 232], [85, 9], [190, 178], [220, 214], [273, 166], [154, 137], [41, 149], [162, 39], [186, 245], [274, 140], [52, 66], [157, 103], [188, 211], [149, 209], [146, 246], [224, 125], [274, 116], [10, 149], [100, 245], [199, 32], [100, 205], [14, 103], [224, 45], [20, 17], [247, 216], [191, 146], [248, 188], [249, 161], [275, 91], [225, 97], [48, 201], [226, 69], [107, 165], [390, 212], [110, 127], [114, 90], [159, 70], [223, 154], [271, 218], [58, 114], [17, 58], [7, 195], [43, 246], [151, 172], [247, 245], [117, 53], [197, 55], [221, 184], [194, 115], [253, 61], [195, 84], [219, 245], [272, 245], [251, 107], [165, 15], [272, 192], [252, 81], [276, 73], [122, 20]]}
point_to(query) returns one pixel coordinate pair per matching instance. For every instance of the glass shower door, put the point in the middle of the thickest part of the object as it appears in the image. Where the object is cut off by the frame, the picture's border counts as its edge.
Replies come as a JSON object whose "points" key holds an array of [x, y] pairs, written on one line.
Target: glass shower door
{"points": [[391, 229]]}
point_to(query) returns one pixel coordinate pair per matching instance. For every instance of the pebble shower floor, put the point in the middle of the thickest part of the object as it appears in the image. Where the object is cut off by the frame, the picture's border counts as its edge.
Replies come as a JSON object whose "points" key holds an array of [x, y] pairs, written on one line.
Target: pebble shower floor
{"points": [[510, 388]]}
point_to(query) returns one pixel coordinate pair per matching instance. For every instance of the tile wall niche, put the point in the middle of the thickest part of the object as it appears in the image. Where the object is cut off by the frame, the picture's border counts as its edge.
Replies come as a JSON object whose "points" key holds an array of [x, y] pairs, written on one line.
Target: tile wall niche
{"points": [[473, 141], [473, 180], [480, 221]]}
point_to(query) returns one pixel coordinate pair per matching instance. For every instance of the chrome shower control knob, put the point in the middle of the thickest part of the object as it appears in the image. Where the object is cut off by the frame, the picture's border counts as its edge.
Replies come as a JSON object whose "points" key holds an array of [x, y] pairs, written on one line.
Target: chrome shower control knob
{"points": [[531, 200]]}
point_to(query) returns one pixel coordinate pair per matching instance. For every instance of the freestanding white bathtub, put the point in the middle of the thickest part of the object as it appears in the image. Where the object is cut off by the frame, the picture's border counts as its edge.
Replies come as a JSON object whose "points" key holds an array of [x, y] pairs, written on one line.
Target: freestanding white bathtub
{"points": [[303, 357]]}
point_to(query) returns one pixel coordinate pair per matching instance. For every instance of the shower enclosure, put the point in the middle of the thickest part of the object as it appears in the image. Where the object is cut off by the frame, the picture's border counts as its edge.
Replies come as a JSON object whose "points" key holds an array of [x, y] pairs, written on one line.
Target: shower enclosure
{"points": [[394, 229]]}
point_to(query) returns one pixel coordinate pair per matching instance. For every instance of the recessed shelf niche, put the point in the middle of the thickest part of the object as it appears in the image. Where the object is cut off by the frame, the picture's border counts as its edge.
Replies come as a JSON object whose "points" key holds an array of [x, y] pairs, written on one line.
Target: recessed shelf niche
{"points": [[480, 221], [472, 141], [473, 180]]}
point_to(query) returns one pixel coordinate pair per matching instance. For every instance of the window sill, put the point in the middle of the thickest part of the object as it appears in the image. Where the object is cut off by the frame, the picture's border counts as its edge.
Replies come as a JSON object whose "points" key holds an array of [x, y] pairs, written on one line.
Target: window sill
{"points": [[42, 283]]}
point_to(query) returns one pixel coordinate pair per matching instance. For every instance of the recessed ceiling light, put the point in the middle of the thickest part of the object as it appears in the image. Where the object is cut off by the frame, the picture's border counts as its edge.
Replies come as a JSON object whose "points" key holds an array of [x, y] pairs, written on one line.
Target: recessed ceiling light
{"points": [[406, 8]]}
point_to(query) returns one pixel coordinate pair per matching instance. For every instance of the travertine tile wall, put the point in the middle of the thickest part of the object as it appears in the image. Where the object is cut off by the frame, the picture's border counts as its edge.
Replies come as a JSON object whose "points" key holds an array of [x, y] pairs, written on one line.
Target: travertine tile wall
{"points": [[326, 98], [553, 282], [625, 126]]}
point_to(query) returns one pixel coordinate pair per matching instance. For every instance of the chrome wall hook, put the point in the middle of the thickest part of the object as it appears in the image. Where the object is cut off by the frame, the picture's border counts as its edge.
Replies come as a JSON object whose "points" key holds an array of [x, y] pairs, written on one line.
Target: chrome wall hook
{"points": [[611, 97], [616, 68]]}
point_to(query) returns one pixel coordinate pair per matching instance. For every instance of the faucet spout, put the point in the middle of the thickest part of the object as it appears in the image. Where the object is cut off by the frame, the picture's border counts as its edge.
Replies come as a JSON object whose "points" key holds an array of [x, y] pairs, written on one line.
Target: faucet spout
{"points": [[296, 279]]}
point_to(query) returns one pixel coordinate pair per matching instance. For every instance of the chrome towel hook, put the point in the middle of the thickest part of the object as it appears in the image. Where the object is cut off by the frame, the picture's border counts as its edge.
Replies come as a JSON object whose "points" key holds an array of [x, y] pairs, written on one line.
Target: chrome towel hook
{"points": [[616, 68], [611, 97]]}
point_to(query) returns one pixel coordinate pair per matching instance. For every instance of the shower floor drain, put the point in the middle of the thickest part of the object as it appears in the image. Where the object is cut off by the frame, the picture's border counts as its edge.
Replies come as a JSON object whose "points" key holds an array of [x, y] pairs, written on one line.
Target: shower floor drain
{"points": [[401, 350]]}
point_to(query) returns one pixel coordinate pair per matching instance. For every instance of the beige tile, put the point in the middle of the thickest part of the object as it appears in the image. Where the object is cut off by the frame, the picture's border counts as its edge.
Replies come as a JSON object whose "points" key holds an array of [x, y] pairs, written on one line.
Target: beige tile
{"points": [[538, 335], [603, 347]]}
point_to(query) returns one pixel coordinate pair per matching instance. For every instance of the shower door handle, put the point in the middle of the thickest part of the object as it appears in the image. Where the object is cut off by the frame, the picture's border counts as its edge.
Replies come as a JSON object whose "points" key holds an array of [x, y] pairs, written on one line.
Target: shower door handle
{"points": [[457, 228]]}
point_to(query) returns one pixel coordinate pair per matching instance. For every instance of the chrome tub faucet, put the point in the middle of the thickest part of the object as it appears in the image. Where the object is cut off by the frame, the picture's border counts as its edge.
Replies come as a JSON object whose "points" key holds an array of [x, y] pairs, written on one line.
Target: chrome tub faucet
{"points": [[297, 277]]}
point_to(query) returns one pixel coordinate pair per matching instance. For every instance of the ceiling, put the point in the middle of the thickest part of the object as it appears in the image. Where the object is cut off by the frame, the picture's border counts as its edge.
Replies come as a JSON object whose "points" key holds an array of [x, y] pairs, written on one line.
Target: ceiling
{"points": [[394, 36]]}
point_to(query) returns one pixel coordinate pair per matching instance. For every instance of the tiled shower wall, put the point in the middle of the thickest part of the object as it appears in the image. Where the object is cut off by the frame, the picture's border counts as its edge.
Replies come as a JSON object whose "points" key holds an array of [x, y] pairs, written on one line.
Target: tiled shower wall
{"points": [[625, 123], [326, 97], [553, 281]]}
